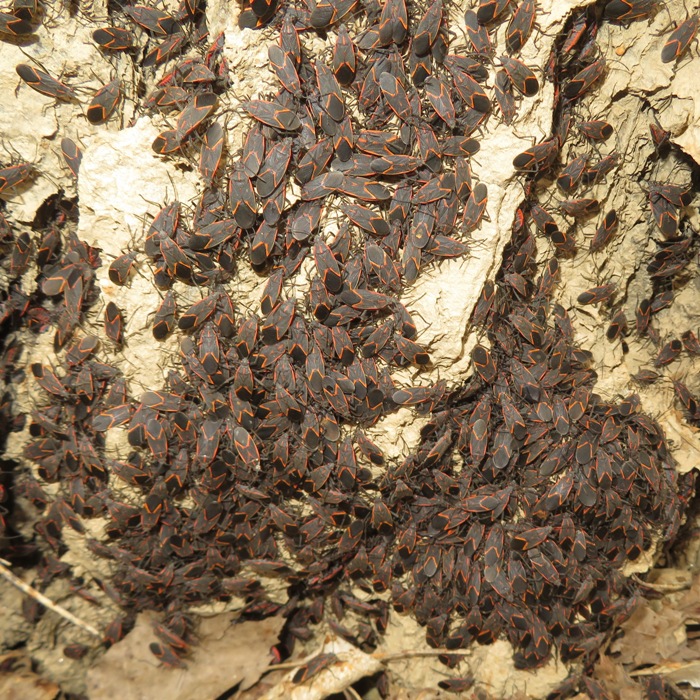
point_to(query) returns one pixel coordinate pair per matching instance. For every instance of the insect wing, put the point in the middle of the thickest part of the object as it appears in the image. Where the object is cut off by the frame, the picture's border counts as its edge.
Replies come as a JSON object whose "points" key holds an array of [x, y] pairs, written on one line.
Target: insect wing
{"points": [[104, 102], [520, 26], [114, 38], [195, 113], [43, 83], [212, 149], [344, 62], [680, 39], [14, 26], [246, 448], [72, 155]]}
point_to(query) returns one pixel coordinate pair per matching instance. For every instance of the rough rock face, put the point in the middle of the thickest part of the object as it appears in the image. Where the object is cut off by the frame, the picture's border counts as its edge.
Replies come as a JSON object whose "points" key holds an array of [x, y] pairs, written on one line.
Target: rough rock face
{"points": [[419, 414]]}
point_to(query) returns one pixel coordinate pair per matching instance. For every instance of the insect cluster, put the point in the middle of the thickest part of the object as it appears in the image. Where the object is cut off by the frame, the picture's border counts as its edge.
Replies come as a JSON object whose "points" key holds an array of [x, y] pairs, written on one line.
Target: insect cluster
{"points": [[527, 493]]}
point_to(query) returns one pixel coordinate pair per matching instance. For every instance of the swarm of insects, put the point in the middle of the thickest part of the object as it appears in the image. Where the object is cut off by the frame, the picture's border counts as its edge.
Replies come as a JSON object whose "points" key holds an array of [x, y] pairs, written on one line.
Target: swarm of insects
{"points": [[527, 494]]}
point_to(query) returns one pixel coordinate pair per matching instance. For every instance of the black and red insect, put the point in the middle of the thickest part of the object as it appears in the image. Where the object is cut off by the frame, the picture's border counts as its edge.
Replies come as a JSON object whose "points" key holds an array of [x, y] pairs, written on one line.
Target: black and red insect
{"points": [[490, 10], [484, 363], [426, 32], [104, 102], [520, 26], [242, 199], [114, 38], [680, 39], [571, 175], [153, 20], [597, 295], [477, 34], [195, 113], [439, 97], [15, 175], [503, 90], [121, 268], [584, 79], [164, 319], [212, 150], [629, 10], [618, 325], [198, 313], [579, 208], [537, 158], [327, 266], [596, 130], [665, 213], [285, 69], [393, 23], [168, 47], [522, 78], [71, 154], [13, 25], [273, 114], [668, 353], [604, 232], [313, 667], [166, 655], [114, 323], [411, 350], [475, 207], [43, 83], [344, 62], [167, 141], [396, 96]]}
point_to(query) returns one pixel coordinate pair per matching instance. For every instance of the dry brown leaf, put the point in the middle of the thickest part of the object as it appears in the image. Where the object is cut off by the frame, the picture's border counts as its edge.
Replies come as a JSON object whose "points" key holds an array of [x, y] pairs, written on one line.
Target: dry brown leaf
{"points": [[669, 580], [651, 636], [352, 665], [633, 692], [690, 605], [227, 654], [675, 672], [21, 683], [657, 632], [685, 673], [615, 679], [26, 687]]}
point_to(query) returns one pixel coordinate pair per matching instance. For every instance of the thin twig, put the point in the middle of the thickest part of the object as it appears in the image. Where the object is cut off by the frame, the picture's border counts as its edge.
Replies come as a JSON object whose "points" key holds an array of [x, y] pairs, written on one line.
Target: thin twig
{"points": [[41, 598], [409, 653], [663, 587], [377, 656], [354, 695]]}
